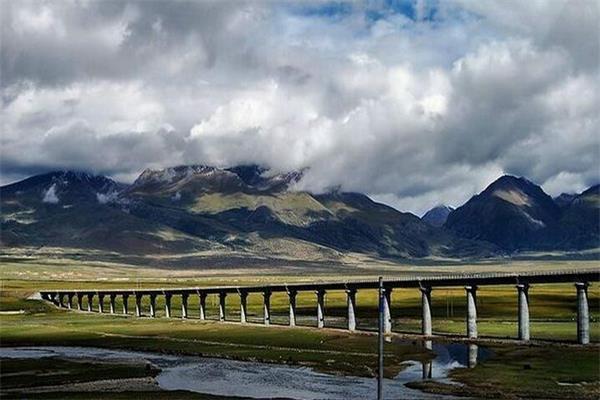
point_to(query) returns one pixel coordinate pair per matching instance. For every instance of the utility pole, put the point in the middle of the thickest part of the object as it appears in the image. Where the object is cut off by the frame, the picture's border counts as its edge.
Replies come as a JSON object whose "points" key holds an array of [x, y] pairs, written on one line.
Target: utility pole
{"points": [[380, 342]]}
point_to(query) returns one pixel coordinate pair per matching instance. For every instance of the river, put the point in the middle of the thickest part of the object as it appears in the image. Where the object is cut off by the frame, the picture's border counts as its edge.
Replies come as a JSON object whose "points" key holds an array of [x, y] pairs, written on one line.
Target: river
{"points": [[262, 380]]}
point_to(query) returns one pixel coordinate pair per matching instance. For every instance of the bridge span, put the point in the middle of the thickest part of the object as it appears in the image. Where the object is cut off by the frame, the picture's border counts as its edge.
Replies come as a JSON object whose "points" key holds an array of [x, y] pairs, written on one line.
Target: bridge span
{"points": [[426, 284]]}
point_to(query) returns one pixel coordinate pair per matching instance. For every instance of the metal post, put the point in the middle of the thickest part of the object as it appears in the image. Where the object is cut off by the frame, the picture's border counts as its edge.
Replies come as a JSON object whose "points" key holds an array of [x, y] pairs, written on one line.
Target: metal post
{"points": [[380, 340]]}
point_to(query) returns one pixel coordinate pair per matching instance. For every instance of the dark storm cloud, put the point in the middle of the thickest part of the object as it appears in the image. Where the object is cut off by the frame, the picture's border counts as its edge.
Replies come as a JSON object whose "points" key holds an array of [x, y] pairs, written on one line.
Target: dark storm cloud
{"points": [[416, 103]]}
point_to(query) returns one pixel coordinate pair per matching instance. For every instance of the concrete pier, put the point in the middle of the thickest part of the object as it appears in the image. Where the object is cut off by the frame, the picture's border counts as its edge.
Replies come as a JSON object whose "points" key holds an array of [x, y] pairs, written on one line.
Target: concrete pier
{"points": [[168, 297], [243, 307], [320, 308], [90, 302], [138, 305], [202, 306], [387, 310], [523, 311], [60, 300], [267, 307], [79, 301], [583, 315], [101, 303], [112, 303], [222, 309], [125, 298], [292, 295], [351, 301], [153, 305], [426, 325], [184, 305], [70, 300], [471, 311]]}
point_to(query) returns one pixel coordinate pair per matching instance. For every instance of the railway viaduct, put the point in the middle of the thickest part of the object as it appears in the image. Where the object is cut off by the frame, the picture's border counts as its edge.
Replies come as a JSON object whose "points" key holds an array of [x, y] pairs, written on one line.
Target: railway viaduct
{"points": [[426, 284]]}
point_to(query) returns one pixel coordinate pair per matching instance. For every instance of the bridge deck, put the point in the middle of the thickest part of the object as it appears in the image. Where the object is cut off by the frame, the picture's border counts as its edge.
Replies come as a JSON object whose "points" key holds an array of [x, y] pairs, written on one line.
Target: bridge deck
{"points": [[446, 280]]}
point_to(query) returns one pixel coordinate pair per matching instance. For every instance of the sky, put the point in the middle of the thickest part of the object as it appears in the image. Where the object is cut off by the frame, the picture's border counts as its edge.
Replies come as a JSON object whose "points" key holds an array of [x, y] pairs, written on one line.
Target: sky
{"points": [[416, 103]]}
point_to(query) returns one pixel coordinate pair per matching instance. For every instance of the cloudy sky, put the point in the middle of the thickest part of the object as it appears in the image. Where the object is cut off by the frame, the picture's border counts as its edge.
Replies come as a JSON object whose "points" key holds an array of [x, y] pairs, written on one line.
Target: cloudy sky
{"points": [[414, 102]]}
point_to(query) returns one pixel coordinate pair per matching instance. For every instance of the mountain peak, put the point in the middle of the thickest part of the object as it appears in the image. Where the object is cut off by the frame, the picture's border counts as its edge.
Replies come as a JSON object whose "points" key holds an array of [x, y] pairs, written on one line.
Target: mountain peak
{"points": [[438, 215]]}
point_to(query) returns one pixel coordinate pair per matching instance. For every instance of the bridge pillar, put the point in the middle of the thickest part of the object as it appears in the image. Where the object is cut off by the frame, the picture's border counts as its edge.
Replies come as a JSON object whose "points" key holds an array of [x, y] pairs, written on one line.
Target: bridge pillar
{"points": [[168, 297], [90, 297], [243, 307], [100, 303], [426, 325], [79, 301], [387, 310], [583, 316], [125, 298], [138, 305], [112, 303], [523, 293], [320, 308], [153, 305], [70, 300], [202, 306], [222, 297], [351, 300], [267, 307], [471, 311], [60, 300], [184, 305], [292, 295]]}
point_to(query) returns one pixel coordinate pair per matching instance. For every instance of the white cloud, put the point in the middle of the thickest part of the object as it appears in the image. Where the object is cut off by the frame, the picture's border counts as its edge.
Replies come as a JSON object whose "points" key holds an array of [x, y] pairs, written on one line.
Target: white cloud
{"points": [[415, 112]]}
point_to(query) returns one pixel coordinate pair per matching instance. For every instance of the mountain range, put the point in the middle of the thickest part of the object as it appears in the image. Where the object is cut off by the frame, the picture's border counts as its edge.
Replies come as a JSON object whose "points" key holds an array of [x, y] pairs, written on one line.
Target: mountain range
{"points": [[249, 212]]}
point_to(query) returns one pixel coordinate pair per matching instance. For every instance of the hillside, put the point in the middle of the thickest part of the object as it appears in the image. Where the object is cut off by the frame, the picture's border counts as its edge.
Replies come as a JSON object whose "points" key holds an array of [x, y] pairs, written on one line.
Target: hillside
{"points": [[518, 215], [241, 210]]}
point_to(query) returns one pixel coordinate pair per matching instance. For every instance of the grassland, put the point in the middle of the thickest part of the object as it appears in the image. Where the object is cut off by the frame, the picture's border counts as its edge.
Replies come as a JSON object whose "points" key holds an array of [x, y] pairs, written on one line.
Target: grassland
{"points": [[32, 322]]}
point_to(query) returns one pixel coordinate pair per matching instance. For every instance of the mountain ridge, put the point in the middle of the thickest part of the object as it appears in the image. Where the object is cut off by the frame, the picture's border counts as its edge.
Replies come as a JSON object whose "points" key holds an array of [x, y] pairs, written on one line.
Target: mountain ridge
{"points": [[250, 209]]}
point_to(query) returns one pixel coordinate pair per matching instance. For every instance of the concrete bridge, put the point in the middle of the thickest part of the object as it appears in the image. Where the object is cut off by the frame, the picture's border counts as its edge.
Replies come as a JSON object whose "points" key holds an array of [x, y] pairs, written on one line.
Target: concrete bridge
{"points": [[426, 285]]}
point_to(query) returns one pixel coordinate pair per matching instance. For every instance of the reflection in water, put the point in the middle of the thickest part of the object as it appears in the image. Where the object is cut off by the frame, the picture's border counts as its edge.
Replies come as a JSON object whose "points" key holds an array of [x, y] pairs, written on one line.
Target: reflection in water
{"points": [[449, 356], [473, 352], [427, 365]]}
